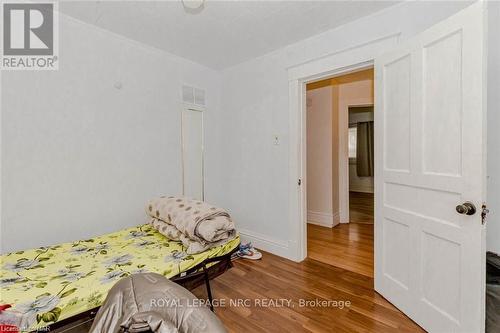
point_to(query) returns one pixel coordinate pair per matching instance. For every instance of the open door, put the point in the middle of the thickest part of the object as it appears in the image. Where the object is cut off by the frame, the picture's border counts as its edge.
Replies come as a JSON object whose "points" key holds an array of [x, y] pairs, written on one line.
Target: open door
{"points": [[430, 173]]}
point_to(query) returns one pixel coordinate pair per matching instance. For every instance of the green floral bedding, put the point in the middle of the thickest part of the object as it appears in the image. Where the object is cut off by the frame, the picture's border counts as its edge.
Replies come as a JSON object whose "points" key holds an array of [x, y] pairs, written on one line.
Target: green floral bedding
{"points": [[48, 284]]}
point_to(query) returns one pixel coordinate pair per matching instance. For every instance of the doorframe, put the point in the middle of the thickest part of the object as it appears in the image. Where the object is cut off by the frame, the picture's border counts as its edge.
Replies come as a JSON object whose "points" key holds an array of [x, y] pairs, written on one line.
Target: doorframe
{"points": [[352, 59]]}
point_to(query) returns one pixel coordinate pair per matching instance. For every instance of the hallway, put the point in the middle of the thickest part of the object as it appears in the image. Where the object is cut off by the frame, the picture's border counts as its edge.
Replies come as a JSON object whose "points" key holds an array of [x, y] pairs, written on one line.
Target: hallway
{"points": [[347, 245]]}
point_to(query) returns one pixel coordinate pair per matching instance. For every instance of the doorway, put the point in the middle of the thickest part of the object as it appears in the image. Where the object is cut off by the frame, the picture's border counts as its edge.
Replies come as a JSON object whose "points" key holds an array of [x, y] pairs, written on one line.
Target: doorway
{"points": [[430, 161], [361, 164], [340, 171]]}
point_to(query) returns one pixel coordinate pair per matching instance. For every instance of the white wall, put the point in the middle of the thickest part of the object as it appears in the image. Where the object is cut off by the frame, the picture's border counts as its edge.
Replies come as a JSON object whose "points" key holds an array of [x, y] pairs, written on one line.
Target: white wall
{"points": [[254, 175], [80, 157], [493, 226], [255, 107], [320, 156]]}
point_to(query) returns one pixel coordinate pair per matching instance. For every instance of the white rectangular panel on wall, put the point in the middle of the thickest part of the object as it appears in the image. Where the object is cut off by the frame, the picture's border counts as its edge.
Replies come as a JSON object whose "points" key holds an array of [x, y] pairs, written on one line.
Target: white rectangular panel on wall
{"points": [[192, 153]]}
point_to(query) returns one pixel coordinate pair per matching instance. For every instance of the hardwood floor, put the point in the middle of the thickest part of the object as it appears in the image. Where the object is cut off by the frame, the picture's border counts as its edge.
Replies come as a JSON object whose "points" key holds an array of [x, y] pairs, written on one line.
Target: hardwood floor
{"points": [[275, 278], [348, 246], [361, 207]]}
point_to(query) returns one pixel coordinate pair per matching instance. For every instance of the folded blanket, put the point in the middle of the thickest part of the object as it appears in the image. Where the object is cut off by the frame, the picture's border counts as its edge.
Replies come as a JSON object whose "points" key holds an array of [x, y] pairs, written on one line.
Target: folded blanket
{"points": [[199, 225]]}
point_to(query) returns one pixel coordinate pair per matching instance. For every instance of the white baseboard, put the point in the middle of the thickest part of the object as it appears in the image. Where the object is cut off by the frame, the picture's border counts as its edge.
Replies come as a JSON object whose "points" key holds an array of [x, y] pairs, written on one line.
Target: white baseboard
{"points": [[328, 220], [263, 242]]}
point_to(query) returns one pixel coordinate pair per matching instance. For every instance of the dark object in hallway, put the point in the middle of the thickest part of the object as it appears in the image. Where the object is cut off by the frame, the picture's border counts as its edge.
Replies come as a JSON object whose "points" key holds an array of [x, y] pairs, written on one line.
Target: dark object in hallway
{"points": [[492, 292], [364, 150]]}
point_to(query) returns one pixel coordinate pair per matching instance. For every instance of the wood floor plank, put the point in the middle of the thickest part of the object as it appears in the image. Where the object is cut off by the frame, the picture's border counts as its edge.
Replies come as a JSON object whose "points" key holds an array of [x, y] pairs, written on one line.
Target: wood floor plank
{"points": [[361, 206], [348, 246], [275, 277]]}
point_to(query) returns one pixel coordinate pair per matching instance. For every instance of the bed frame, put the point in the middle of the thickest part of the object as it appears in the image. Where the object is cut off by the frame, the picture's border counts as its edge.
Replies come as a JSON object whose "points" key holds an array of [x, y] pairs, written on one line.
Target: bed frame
{"points": [[192, 278]]}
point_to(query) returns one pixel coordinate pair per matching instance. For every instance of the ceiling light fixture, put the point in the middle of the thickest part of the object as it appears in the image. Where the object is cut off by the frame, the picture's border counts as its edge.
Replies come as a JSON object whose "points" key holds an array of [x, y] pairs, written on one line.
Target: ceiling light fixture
{"points": [[193, 4]]}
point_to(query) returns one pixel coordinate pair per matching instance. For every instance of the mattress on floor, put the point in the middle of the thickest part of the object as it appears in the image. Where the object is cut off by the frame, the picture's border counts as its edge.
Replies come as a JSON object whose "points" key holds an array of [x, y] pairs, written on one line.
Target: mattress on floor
{"points": [[52, 283]]}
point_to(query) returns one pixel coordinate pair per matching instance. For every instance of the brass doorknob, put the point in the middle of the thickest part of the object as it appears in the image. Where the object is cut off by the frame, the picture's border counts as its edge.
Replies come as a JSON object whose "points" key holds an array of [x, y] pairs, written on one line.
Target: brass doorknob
{"points": [[467, 208]]}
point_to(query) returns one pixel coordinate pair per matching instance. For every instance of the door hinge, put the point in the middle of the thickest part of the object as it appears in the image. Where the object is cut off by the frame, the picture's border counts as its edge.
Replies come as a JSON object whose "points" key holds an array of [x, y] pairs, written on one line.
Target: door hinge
{"points": [[299, 182], [484, 213]]}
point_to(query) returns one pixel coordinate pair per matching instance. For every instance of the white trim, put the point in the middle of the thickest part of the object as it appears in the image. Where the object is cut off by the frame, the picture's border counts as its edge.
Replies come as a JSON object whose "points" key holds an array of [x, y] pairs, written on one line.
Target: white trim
{"points": [[339, 61], [342, 62], [266, 243], [328, 220], [194, 108], [297, 70]]}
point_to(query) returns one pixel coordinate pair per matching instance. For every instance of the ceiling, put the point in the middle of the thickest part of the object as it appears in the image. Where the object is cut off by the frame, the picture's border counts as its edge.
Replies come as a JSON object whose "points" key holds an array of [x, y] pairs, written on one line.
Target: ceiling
{"points": [[223, 33]]}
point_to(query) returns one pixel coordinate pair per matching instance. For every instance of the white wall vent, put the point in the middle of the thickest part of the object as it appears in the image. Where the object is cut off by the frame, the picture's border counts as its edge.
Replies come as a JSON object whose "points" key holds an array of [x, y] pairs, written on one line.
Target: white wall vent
{"points": [[193, 95], [199, 96], [188, 94]]}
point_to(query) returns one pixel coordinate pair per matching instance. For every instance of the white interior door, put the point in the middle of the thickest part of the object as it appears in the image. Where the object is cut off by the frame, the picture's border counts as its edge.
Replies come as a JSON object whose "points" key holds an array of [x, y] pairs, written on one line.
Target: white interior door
{"points": [[192, 153], [430, 130]]}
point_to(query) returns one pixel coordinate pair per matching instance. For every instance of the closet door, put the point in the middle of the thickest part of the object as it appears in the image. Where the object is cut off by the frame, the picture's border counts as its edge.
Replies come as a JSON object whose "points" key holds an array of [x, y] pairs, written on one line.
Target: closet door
{"points": [[192, 153]]}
